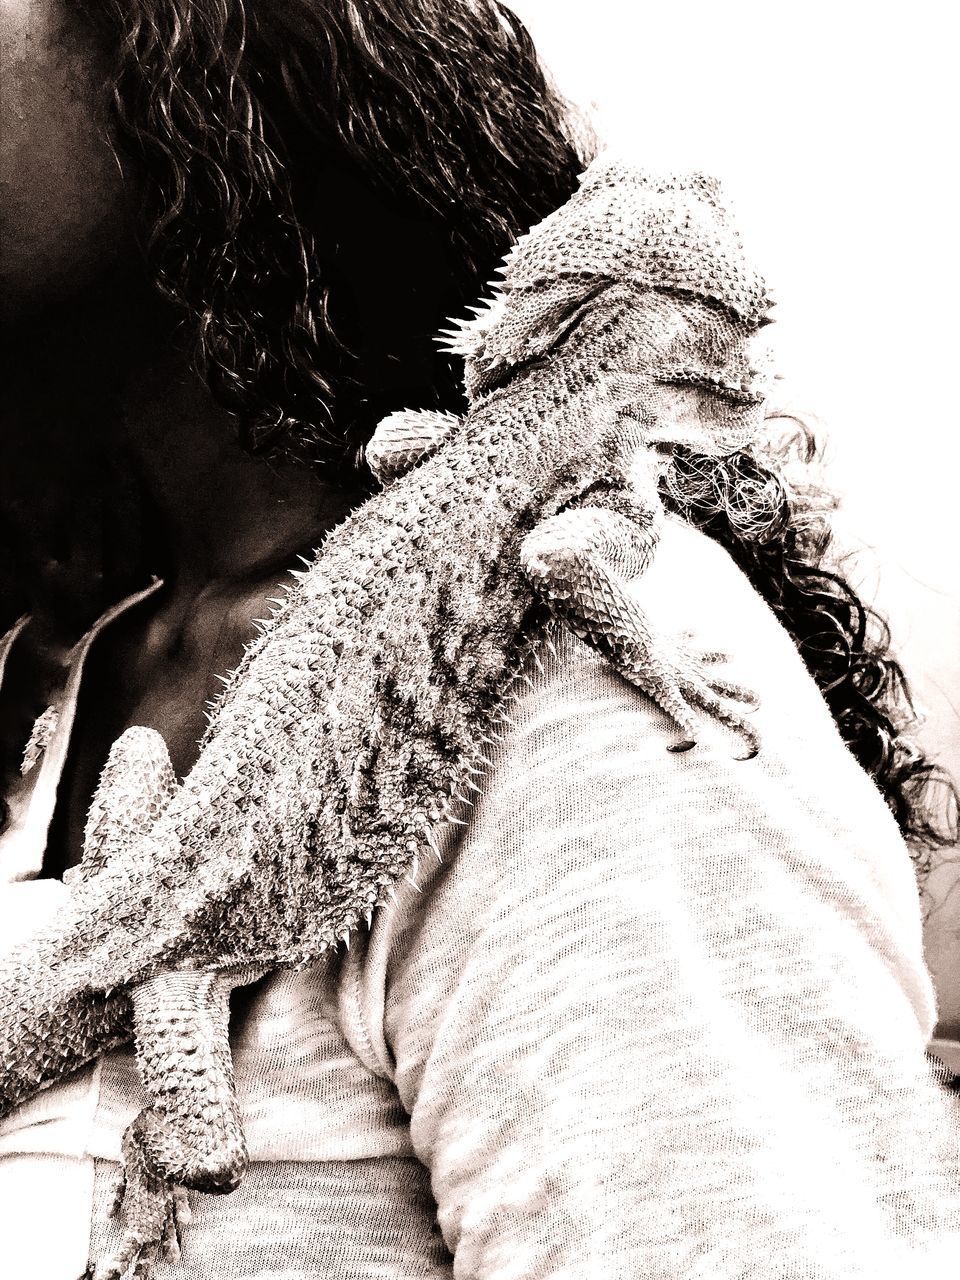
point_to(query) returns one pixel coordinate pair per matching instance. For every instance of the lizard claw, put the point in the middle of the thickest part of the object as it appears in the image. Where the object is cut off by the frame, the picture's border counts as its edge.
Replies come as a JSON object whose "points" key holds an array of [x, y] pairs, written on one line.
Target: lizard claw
{"points": [[700, 687], [682, 683], [153, 1212]]}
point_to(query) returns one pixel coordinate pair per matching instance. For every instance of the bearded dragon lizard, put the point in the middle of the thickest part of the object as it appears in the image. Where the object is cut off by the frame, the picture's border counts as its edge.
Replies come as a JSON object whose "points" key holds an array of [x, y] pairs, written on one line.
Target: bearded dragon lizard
{"points": [[621, 327]]}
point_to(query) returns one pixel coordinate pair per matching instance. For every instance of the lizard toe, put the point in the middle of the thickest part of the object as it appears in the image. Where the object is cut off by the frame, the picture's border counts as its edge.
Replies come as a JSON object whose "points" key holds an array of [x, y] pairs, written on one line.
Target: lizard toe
{"points": [[704, 694], [151, 1211], [736, 692]]}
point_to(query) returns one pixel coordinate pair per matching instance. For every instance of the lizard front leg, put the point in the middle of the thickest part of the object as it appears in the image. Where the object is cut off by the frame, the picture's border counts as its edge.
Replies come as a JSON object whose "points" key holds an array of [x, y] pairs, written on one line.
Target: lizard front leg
{"points": [[577, 560], [404, 438], [136, 784]]}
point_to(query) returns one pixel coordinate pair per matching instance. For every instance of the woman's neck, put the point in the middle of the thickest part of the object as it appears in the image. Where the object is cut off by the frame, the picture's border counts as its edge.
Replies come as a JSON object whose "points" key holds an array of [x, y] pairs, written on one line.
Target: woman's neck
{"points": [[225, 515], [101, 383]]}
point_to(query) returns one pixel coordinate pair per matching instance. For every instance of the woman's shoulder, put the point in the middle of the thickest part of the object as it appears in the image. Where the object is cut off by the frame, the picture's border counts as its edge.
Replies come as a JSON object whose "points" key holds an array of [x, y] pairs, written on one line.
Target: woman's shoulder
{"points": [[582, 757], [587, 837], [581, 795], [696, 600]]}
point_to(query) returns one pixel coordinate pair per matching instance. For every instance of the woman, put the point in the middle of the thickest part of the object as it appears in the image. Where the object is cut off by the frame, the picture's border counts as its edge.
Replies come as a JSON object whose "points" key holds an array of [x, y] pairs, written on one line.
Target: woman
{"points": [[635, 1020]]}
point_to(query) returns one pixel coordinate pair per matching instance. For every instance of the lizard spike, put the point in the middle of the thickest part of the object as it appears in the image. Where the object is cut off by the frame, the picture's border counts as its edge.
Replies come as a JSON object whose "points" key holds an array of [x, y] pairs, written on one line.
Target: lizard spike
{"points": [[485, 759], [345, 938], [224, 680], [536, 658], [368, 916], [305, 561], [459, 821], [432, 841], [414, 883]]}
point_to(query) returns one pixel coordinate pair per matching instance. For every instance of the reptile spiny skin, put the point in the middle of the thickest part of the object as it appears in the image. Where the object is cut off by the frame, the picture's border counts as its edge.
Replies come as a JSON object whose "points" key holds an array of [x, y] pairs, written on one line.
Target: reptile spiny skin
{"points": [[622, 328]]}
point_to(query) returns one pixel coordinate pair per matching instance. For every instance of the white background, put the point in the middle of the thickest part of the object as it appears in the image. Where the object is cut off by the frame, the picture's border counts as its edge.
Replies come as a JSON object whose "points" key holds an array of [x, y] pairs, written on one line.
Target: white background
{"points": [[834, 129]]}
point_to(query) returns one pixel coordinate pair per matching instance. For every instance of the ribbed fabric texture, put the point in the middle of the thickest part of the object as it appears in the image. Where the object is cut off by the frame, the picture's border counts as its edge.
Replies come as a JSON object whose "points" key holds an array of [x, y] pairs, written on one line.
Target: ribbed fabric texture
{"points": [[653, 1016]]}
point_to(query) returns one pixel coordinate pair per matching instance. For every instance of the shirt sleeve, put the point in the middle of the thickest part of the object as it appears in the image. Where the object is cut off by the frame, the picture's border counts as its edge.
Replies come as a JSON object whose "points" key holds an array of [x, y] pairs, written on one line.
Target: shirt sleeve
{"points": [[665, 1015]]}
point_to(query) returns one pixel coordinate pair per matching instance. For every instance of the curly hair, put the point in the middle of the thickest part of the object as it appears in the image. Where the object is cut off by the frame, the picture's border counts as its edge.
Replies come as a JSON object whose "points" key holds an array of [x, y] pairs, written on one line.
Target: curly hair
{"points": [[327, 181], [779, 531]]}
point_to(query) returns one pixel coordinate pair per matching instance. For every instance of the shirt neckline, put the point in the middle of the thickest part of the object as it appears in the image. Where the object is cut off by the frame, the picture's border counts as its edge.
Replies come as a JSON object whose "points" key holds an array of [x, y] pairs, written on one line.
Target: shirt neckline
{"points": [[23, 842]]}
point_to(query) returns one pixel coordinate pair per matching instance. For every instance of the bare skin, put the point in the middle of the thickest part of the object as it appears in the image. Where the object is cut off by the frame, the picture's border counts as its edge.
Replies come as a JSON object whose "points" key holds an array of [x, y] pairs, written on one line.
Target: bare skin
{"points": [[235, 526], [98, 345]]}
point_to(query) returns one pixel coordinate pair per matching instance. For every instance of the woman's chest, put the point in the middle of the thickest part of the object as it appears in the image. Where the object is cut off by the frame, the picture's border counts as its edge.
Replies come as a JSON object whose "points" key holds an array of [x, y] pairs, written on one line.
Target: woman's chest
{"points": [[156, 664]]}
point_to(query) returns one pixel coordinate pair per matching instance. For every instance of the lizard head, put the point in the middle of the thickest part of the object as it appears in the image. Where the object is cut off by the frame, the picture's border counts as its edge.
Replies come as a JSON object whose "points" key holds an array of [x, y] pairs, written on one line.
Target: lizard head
{"points": [[623, 226]]}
